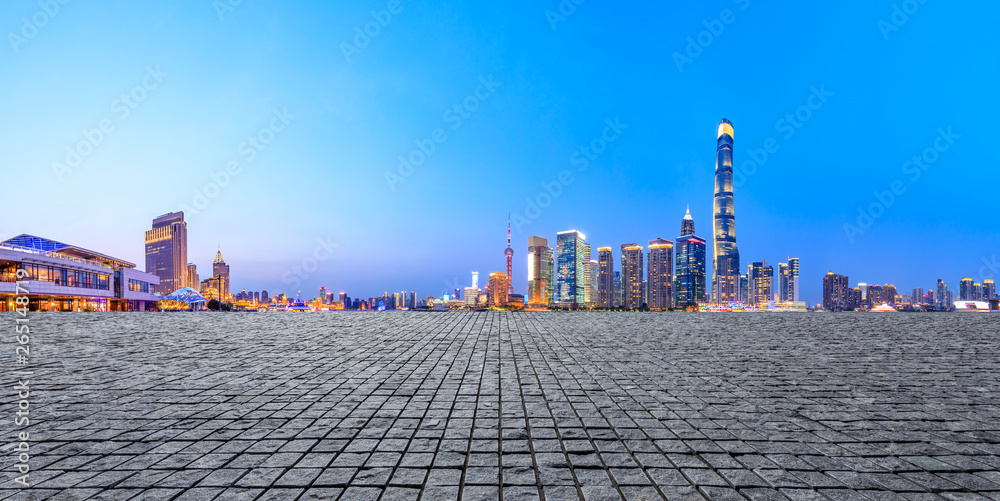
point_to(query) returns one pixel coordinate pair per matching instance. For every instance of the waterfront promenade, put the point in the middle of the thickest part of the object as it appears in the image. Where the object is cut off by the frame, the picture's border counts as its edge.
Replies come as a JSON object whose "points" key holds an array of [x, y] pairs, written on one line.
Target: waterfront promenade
{"points": [[490, 405]]}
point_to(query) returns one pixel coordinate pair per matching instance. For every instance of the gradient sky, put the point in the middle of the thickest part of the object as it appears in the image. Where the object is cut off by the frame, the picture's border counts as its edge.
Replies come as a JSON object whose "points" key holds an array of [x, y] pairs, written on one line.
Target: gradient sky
{"points": [[894, 83]]}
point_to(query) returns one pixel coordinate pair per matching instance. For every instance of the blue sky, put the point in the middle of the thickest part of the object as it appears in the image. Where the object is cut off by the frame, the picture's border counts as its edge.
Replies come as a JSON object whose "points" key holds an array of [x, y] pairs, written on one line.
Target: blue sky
{"points": [[201, 79]]}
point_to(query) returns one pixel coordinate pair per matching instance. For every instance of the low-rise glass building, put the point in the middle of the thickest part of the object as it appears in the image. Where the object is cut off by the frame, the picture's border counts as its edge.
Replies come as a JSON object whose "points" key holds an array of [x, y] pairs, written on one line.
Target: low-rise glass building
{"points": [[63, 277]]}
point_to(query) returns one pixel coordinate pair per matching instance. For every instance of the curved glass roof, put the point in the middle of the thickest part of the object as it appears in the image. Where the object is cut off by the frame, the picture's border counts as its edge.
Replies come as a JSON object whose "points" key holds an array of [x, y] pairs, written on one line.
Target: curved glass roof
{"points": [[186, 295]]}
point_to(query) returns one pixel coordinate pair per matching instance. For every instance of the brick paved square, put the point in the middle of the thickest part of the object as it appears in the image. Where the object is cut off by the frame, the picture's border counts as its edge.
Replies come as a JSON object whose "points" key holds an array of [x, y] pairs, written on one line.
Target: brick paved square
{"points": [[492, 405]]}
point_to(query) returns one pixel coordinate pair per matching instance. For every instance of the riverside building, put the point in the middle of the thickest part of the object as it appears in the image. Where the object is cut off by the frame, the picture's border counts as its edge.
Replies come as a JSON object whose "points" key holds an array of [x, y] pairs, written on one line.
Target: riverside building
{"points": [[63, 277]]}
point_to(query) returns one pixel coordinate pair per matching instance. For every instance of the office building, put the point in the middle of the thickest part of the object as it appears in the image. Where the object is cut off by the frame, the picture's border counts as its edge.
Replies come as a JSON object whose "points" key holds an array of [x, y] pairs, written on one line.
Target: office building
{"points": [[322, 295], [836, 292], [989, 290], [540, 265], [689, 283], [589, 296], [63, 277], [166, 252], [632, 281], [605, 278], [660, 276], [497, 289], [571, 268], [192, 276], [726, 256], [220, 276]]}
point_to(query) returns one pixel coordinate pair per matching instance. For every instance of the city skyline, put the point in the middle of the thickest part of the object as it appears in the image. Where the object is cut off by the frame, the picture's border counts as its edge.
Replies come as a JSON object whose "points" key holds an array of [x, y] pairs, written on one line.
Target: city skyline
{"points": [[847, 139]]}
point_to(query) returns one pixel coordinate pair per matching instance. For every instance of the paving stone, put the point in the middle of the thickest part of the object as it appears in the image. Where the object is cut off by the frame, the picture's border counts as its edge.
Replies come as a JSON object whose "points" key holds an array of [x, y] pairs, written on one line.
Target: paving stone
{"points": [[489, 405]]}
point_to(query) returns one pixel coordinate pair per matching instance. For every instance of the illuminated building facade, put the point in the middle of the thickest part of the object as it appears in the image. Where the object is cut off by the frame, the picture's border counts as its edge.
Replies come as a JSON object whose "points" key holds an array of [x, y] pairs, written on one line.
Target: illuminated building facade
{"points": [[836, 292], [166, 252], [220, 276], [726, 256], [631, 270], [689, 283], [989, 290], [965, 290], [192, 276], [498, 286], [571, 268], [660, 275], [793, 280], [63, 277], [540, 264], [761, 288], [589, 296], [595, 275], [509, 254], [605, 278]]}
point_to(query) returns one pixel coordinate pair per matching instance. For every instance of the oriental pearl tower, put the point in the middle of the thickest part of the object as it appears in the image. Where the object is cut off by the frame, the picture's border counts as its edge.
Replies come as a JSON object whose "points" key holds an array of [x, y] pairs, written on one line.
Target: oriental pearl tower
{"points": [[510, 256]]}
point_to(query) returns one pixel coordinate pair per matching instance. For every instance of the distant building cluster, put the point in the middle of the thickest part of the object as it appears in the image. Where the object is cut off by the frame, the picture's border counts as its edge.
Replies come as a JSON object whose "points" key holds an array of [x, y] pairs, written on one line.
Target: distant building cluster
{"points": [[838, 295]]}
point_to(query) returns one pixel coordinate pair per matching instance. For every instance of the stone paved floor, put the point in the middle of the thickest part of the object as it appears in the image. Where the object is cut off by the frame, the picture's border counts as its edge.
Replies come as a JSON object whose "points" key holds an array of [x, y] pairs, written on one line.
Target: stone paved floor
{"points": [[549, 406]]}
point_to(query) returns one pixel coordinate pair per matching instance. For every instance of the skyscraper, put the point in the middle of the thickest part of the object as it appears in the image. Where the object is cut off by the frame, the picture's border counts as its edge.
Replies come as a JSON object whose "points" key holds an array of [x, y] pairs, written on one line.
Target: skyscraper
{"points": [[322, 294], [836, 292], [589, 296], [689, 284], [509, 253], [220, 276], [166, 252], [605, 278], [942, 294], [631, 270], [783, 277], [540, 261], [964, 289], [726, 257], [989, 290], [793, 280], [660, 278], [571, 268], [761, 284]]}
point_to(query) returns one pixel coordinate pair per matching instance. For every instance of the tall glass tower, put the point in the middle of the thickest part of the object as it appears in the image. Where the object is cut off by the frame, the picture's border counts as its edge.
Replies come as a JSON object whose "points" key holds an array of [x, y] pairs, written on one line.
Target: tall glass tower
{"points": [[571, 268], [726, 257], [689, 286]]}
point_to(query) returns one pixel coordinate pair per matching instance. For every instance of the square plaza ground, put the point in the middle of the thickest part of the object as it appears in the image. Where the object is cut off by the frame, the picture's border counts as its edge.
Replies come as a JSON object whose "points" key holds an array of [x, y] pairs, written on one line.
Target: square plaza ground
{"points": [[492, 405]]}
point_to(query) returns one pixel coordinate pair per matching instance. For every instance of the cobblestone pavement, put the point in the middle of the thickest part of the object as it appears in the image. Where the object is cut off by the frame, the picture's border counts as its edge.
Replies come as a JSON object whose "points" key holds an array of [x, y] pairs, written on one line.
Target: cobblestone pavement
{"points": [[522, 406]]}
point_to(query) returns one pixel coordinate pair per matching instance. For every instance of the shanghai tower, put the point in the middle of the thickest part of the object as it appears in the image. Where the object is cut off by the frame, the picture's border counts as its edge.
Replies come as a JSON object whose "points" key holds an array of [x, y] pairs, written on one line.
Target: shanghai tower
{"points": [[726, 257]]}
